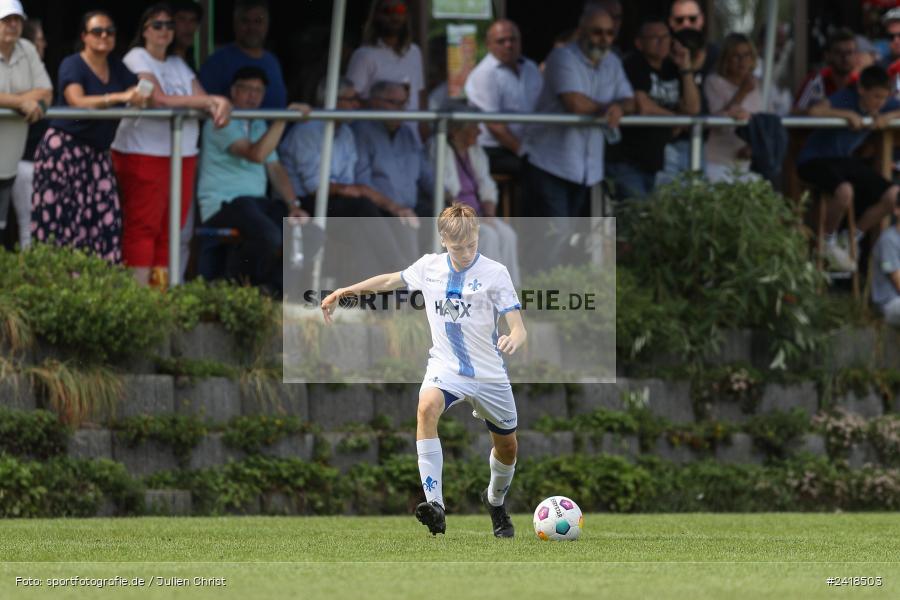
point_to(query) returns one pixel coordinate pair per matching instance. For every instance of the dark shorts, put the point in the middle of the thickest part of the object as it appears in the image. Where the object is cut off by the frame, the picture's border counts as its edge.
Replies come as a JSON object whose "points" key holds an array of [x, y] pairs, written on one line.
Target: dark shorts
{"points": [[826, 174]]}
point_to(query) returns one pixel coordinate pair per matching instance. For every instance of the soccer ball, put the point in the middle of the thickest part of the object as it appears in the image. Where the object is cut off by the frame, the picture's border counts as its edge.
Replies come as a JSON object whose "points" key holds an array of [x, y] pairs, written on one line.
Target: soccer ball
{"points": [[559, 519]]}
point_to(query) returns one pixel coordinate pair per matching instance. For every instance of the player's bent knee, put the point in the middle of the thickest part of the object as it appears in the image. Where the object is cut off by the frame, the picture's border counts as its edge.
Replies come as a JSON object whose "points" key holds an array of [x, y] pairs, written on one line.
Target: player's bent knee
{"points": [[431, 405], [506, 447]]}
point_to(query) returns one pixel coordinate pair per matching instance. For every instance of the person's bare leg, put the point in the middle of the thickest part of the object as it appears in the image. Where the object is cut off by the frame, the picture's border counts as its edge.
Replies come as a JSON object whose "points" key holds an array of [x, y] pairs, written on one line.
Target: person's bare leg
{"points": [[837, 207], [142, 275], [875, 213]]}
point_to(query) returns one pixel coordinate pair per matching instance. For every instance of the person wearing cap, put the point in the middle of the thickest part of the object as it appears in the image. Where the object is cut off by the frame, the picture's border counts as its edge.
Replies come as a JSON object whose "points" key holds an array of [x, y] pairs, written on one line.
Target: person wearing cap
{"points": [[24, 87], [187, 15], [891, 23]]}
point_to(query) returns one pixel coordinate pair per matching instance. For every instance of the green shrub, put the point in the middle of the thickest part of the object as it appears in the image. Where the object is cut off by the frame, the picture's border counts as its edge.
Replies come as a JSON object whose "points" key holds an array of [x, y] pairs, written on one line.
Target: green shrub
{"points": [[728, 256], [253, 433], [248, 315], [178, 432], [95, 311], [775, 432], [64, 487], [33, 433]]}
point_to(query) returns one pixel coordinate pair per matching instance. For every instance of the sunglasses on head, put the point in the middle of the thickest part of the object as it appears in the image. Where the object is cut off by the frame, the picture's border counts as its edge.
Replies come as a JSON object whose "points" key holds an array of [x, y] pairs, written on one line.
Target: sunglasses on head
{"points": [[396, 9], [692, 19], [99, 31], [160, 25]]}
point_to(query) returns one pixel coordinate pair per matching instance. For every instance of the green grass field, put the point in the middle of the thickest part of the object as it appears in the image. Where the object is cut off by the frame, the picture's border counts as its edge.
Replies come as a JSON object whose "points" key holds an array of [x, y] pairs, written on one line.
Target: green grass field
{"points": [[619, 556]]}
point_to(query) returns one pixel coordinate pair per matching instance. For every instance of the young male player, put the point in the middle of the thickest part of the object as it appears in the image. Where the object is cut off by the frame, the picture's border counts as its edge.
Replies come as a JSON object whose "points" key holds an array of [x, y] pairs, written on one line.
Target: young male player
{"points": [[465, 295]]}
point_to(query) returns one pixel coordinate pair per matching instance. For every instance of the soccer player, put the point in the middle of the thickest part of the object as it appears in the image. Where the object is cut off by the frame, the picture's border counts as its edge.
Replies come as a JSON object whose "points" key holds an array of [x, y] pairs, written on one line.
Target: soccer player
{"points": [[465, 295]]}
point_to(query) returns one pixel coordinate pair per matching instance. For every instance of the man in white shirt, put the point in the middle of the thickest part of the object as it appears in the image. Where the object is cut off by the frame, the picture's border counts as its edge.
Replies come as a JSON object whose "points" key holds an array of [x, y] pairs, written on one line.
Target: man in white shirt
{"points": [[504, 81], [24, 87]]}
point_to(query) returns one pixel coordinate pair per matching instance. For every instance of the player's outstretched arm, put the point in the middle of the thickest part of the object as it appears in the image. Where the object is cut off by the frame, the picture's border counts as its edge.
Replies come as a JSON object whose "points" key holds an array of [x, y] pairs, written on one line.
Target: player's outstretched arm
{"points": [[517, 334], [379, 283]]}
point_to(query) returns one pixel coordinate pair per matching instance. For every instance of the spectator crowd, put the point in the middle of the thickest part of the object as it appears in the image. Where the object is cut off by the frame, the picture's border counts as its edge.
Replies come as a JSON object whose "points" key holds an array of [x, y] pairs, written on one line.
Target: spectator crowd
{"points": [[103, 185]]}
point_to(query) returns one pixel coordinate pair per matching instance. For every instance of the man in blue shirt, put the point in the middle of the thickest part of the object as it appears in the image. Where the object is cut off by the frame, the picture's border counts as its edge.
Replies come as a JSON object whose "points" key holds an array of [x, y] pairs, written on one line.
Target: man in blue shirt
{"points": [[828, 164], [564, 163], [236, 163], [251, 26], [350, 194]]}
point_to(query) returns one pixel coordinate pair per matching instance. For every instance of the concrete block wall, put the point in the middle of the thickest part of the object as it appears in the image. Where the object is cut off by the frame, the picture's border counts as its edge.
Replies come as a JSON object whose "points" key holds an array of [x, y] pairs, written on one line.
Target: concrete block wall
{"points": [[336, 407]]}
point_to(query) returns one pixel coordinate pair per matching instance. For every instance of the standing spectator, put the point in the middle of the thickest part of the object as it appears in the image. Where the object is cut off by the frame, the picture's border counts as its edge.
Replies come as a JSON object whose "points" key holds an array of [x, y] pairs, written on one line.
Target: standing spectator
{"points": [[349, 192], [886, 278], [840, 60], [236, 163], [187, 15], [76, 198], [504, 81], [251, 26], [468, 181], [388, 53], [891, 22], [732, 91], [614, 8], [392, 162], [661, 88], [23, 186], [142, 148], [582, 78], [827, 160], [24, 87]]}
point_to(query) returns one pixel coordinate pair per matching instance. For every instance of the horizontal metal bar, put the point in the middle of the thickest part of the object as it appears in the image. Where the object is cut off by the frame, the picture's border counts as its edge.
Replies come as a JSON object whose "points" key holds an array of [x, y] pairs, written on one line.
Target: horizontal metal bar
{"points": [[382, 115]]}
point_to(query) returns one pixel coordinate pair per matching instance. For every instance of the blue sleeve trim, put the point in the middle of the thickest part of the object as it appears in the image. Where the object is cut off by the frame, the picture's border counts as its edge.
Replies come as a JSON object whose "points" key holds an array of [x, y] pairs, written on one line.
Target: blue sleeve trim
{"points": [[510, 309]]}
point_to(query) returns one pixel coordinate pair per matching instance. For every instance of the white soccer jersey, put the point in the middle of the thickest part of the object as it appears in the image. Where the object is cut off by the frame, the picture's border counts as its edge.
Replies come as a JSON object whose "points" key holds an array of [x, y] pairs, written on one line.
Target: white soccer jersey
{"points": [[464, 309]]}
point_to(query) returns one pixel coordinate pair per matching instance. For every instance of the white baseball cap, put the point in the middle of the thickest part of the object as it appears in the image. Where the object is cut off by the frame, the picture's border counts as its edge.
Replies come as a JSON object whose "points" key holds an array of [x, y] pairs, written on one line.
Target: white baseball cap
{"points": [[11, 7], [891, 16]]}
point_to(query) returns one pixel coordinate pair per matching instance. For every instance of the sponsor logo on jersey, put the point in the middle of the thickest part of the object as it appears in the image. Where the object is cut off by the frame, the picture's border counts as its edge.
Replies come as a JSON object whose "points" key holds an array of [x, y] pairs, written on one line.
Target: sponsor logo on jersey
{"points": [[455, 309]]}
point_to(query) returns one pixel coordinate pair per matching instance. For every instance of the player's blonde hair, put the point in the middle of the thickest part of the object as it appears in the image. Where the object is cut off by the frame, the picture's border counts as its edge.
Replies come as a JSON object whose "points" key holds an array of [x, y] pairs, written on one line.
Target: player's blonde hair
{"points": [[458, 223]]}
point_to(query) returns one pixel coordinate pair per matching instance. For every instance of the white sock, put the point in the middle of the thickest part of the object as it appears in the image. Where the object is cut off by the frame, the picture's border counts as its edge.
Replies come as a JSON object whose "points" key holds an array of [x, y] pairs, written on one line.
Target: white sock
{"points": [[431, 466], [501, 477]]}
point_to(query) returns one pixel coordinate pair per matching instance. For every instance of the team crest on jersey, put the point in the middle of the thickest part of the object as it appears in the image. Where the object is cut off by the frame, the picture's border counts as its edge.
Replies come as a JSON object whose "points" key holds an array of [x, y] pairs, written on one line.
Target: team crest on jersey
{"points": [[455, 309], [475, 285]]}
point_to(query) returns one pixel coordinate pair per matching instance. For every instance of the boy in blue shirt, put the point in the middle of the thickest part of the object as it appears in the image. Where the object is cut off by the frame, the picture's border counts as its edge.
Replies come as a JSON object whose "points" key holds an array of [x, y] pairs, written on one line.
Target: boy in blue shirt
{"points": [[827, 160]]}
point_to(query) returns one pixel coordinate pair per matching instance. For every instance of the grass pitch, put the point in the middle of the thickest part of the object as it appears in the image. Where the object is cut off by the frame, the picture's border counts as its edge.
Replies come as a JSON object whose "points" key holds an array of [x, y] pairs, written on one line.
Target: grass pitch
{"points": [[619, 556]]}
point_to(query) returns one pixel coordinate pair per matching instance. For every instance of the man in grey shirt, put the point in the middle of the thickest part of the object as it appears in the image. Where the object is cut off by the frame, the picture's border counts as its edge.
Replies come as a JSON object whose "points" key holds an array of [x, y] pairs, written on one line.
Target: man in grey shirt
{"points": [[886, 279]]}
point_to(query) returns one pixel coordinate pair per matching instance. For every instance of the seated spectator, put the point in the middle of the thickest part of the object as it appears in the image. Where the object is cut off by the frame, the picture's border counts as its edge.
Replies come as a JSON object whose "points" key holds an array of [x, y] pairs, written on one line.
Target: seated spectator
{"points": [[26, 88], [504, 81], [837, 74], [393, 163], [142, 149], [468, 181], [828, 164], [76, 198], [661, 88], [23, 187], [251, 26], [388, 53], [236, 163], [732, 91], [375, 244], [886, 278]]}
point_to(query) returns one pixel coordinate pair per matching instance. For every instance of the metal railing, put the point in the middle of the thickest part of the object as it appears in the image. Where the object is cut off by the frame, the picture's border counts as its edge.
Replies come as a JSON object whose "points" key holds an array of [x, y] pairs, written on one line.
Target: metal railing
{"points": [[177, 117]]}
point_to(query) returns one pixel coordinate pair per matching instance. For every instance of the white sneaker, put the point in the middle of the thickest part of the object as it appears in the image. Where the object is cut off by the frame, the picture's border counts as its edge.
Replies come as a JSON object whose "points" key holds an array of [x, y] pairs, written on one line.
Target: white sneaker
{"points": [[838, 258]]}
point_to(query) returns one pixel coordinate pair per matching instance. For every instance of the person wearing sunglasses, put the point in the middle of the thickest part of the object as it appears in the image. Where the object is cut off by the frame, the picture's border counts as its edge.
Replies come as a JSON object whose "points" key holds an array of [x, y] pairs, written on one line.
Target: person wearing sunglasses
{"points": [[388, 53], [24, 87], [142, 147], [837, 74], [251, 28], [76, 198], [564, 163], [688, 15], [891, 23]]}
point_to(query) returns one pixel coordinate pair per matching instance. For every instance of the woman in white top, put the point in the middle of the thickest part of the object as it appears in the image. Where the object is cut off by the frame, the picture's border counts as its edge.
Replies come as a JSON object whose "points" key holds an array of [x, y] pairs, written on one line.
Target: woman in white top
{"points": [[142, 146], [732, 91], [467, 179]]}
